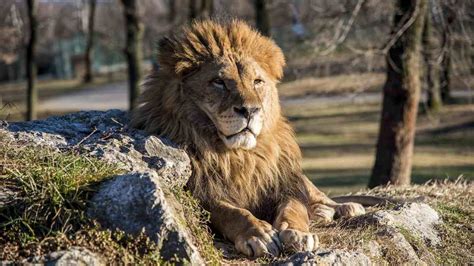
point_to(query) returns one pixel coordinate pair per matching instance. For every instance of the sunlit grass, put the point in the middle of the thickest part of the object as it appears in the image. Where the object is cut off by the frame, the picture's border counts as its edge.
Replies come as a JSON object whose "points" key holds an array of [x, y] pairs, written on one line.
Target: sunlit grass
{"points": [[338, 144]]}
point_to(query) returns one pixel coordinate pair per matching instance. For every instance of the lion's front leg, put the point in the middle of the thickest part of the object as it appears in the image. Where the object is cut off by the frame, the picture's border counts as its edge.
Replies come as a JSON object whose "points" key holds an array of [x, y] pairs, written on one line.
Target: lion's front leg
{"points": [[251, 236], [323, 209], [292, 221]]}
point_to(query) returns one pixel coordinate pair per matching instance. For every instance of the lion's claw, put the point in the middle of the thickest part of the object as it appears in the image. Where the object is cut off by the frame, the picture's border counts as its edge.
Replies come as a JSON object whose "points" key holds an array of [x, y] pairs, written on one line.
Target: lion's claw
{"points": [[259, 242], [294, 240]]}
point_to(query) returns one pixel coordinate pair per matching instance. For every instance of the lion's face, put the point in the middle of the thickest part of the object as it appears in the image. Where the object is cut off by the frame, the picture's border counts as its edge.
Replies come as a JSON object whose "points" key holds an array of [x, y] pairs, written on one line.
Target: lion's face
{"points": [[237, 96]]}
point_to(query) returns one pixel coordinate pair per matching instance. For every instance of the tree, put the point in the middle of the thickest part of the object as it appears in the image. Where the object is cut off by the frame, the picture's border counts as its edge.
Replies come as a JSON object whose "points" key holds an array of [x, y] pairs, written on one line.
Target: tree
{"points": [[262, 20], [432, 66], [394, 153], [134, 32], [172, 11], [205, 9], [192, 10], [90, 42], [32, 93], [446, 64]]}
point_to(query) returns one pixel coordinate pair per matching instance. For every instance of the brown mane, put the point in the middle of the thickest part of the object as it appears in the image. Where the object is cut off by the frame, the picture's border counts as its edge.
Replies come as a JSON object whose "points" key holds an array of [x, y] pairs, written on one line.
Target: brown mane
{"points": [[250, 179]]}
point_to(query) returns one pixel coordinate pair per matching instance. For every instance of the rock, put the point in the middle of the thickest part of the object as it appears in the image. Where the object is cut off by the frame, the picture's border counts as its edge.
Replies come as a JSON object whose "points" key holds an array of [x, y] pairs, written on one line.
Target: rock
{"points": [[418, 219], [74, 256], [106, 135], [136, 201], [402, 224], [328, 257]]}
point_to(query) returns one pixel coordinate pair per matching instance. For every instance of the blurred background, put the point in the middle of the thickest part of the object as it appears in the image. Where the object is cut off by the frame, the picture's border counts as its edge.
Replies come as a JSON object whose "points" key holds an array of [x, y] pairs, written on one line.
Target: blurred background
{"points": [[80, 54]]}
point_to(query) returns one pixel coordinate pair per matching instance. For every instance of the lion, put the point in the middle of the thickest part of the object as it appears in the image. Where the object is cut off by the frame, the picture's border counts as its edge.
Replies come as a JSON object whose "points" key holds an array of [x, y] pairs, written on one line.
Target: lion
{"points": [[215, 94]]}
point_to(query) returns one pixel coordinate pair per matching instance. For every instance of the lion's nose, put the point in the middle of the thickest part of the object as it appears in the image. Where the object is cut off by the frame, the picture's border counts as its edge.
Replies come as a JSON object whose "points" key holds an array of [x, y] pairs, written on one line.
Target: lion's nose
{"points": [[245, 111]]}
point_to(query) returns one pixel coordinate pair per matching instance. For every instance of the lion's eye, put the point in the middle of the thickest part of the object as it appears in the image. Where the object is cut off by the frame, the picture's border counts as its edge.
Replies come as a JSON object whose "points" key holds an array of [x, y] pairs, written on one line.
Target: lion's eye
{"points": [[218, 83], [258, 82]]}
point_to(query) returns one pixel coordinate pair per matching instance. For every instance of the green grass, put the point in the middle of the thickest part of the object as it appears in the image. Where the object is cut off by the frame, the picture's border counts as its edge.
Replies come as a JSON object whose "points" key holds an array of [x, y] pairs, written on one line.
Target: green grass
{"points": [[338, 144], [48, 212]]}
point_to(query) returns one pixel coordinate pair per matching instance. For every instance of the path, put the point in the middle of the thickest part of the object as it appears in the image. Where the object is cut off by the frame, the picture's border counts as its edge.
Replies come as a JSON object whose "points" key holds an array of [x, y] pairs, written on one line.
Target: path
{"points": [[115, 96]]}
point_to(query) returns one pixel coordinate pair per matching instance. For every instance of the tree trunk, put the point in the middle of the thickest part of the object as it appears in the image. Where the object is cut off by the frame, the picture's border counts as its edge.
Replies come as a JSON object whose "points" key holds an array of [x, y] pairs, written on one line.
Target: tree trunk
{"points": [[134, 32], [172, 11], [192, 10], [32, 93], [446, 64], [261, 17], [430, 47], [207, 8], [394, 153], [90, 42]]}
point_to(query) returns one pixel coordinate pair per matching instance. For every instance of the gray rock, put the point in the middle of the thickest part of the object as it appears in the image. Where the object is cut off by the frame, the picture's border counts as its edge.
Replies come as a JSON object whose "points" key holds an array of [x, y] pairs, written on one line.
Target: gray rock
{"points": [[328, 257], [138, 201], [105, 135], [74, 256], [418, 219]]}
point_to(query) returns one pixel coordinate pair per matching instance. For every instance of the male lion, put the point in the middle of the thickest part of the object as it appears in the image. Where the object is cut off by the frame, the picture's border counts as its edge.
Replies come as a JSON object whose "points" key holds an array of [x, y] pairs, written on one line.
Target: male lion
{"points": [[215, 94]]}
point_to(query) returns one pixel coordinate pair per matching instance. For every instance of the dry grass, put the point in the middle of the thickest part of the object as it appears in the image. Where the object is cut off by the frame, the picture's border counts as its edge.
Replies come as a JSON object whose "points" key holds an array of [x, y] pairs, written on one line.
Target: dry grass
{"points": [[345, 83], [47, 210]]}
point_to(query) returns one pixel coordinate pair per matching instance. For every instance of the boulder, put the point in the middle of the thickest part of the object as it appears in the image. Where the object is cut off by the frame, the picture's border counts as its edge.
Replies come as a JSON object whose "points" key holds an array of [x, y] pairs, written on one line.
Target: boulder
{"points": [[139, 200]]}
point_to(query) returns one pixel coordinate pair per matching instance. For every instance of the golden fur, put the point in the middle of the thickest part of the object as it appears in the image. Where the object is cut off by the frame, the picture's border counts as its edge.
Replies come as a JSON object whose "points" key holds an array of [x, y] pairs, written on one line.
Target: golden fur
{"points": [[239, 176], [245, 189]]}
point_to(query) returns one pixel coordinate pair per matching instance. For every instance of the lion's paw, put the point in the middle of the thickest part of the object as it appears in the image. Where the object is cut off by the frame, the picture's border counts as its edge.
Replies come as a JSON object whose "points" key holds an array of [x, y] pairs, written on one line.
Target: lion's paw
{"points": [[349, 209], [259, 241], [294, 240], [322, 214]]}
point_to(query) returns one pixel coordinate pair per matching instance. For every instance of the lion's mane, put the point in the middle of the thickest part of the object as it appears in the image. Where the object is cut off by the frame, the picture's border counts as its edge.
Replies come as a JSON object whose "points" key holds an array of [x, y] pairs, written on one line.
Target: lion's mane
{"points": [[252, 179]]}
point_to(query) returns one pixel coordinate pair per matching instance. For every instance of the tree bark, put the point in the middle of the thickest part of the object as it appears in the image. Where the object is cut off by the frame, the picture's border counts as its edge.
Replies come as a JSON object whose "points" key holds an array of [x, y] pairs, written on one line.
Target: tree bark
{"points": [[134, 32], [192, 10], [394, 153], [446, 64], [90, 42], [171, 11], [207, 8], [262, 20], [32, 93], [430, 47]]}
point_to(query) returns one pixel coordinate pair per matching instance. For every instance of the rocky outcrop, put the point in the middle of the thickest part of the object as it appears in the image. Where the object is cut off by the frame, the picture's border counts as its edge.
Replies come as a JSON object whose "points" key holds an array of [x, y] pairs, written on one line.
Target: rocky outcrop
{"points": [[136, 201], [140, 200]]}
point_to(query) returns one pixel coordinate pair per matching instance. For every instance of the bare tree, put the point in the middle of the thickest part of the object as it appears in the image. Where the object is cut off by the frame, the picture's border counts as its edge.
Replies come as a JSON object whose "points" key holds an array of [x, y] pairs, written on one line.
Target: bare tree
{"points": [[393, 161], [262, 20], [90, 42], [134, 32], [207, 8], [204, 10], [430, 48], [446, 62], [172, 11], [32, 93]]}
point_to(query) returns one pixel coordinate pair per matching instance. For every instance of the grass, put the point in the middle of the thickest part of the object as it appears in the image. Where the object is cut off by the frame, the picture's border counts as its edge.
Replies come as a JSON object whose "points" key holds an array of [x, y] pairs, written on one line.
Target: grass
{"points": [[338, 144], [454, 201], [343, 83], [47, 213]]}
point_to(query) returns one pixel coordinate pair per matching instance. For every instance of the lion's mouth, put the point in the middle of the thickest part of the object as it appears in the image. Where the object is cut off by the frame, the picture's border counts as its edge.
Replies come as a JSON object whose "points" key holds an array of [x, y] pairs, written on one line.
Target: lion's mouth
{"points": [[243, 131], [244, 139]]}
